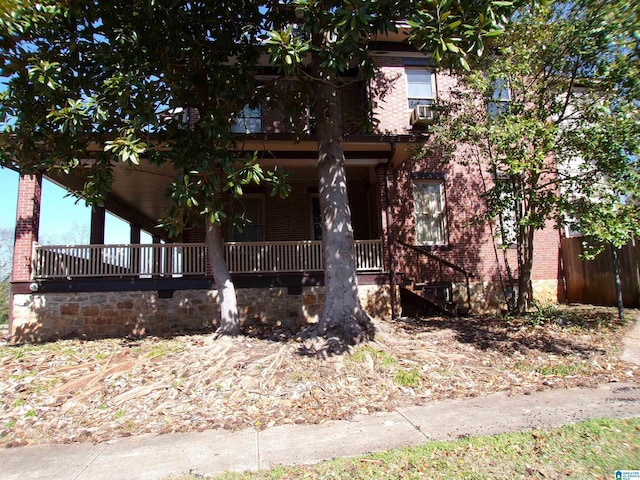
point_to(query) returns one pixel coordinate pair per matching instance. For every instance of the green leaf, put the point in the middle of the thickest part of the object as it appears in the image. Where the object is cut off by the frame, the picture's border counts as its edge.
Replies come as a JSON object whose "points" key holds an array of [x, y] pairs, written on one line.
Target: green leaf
{"points": [[493, 33], [452, 48]]}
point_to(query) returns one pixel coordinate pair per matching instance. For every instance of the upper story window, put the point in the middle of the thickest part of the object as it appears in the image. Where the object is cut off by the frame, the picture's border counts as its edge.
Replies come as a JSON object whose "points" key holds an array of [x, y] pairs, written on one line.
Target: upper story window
{"points": [[250, 121], [420, 87], [500, 98], [429, 212]]}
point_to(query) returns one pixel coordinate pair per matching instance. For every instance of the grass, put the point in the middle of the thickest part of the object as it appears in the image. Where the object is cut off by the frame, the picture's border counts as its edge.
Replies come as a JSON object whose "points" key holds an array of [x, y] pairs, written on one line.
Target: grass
{"points": [[62, 349], [560, 370], [553, 369], [364, 352], [383, 361], [571, 319], [591, 449], [162, 348], [407, 378]]}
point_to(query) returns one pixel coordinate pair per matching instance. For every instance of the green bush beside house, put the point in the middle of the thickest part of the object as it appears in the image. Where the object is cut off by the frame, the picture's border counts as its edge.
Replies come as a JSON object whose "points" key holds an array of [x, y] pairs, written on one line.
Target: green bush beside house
{"points": [[4, 301]]}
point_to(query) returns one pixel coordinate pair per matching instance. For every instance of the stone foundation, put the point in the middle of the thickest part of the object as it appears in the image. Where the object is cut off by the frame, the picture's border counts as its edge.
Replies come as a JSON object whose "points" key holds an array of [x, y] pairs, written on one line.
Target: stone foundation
{"points": [[547, 292], [49, 316], [489, 297]]}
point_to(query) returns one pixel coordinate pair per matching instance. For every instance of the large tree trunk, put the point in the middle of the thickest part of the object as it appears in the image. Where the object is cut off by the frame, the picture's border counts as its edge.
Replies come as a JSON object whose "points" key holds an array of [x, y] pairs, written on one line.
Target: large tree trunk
{"points": [[343, 321], [525, 267], [229, 321]]}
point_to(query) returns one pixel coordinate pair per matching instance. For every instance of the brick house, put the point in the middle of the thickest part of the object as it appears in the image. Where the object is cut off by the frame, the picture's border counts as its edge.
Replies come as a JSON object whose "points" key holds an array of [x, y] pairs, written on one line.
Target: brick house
{"points": [[411, 218]]}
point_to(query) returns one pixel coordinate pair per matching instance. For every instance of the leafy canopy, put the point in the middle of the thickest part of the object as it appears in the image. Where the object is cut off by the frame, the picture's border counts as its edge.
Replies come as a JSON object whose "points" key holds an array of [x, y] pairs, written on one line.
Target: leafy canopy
{"points": [[554, 116], [116, 79]]}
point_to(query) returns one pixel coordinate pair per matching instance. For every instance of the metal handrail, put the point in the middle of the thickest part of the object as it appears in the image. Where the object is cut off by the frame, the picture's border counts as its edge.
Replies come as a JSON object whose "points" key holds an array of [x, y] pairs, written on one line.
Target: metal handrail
{"points": [[421, 250]]}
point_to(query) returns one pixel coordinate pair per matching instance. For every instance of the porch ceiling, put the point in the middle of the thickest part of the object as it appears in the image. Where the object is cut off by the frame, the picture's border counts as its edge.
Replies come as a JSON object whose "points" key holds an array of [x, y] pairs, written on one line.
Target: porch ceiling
{"points": [[139, 194]]}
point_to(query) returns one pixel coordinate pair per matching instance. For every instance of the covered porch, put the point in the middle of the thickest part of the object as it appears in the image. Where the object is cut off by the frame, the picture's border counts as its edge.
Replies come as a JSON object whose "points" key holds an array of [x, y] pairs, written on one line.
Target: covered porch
{"points": [[97, 289], [282, 236]]}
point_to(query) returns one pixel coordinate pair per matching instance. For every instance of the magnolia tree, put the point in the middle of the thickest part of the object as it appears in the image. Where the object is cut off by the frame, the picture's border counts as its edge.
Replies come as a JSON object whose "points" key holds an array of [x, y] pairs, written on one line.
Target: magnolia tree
{"points": [[319, 42], [115, 73], [553, 120]]}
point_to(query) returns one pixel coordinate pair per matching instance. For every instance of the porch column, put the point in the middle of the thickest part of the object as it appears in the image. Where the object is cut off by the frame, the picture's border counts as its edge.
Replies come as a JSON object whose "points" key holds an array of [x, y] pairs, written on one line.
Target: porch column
{"points": [[27, 226], [134, 239], [97, 225], [96, 237], [26, 235], [387, 235], [157, 257], [381, 203]]}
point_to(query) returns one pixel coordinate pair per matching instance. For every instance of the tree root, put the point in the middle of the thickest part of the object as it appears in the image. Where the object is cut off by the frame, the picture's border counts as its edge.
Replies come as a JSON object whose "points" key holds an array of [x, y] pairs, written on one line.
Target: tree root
{"points": [[337, 336]]}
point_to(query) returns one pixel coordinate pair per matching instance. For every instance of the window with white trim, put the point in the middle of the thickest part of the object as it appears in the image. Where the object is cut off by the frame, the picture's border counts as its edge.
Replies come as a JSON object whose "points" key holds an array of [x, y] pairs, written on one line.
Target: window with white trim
{"points": [[500, 97], [420, 89], [429, 212]]}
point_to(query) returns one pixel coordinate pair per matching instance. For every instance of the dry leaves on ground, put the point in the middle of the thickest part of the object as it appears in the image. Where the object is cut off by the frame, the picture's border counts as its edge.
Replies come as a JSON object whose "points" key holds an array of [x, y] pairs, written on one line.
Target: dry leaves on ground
{"points": [[73, 390]]}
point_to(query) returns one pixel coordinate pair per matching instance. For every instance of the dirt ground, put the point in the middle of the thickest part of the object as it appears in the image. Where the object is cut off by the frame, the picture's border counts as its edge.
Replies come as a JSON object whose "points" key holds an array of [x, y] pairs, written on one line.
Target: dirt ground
{"points": [[76, 391]]}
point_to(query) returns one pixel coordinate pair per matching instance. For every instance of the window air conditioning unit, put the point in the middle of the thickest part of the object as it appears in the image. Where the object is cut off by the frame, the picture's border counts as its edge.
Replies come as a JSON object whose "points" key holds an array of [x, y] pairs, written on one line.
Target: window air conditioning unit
{"points": [[422, 115]]}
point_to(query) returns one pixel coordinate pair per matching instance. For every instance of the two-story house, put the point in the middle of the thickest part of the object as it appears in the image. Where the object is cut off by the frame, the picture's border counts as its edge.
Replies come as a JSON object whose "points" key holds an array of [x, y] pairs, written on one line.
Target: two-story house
{"points": [[412, 220]]}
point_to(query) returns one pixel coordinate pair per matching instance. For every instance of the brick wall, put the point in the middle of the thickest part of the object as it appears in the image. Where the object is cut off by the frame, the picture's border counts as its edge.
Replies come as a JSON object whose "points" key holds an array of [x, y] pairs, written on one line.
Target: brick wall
{"points": [[27, 222], [389, 96], [471, 245], [290, 219], [275, 118]]}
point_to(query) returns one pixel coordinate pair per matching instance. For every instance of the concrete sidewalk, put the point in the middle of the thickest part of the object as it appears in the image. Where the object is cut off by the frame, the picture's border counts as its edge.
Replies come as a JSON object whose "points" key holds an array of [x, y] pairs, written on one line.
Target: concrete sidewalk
{"points": [[213, 452]]}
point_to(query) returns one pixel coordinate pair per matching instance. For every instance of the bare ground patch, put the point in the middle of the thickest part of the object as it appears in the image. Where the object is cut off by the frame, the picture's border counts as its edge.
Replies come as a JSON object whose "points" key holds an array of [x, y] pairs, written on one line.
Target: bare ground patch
{"points": [[73, 390]]}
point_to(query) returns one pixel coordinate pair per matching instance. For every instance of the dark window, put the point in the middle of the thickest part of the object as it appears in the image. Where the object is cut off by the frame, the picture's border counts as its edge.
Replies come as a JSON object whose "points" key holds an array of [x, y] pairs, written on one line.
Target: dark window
{"points": [[316, 216], [251, 208]]}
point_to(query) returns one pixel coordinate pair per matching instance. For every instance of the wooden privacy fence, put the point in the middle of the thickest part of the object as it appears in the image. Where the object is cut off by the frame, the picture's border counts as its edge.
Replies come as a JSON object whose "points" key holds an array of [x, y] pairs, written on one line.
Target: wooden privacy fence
{"points": [[592, 281]]}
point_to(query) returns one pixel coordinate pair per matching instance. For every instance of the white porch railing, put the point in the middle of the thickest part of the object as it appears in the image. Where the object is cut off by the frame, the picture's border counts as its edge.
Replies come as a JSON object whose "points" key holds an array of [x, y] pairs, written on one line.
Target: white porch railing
{"points": [[85, 261], [181, 259]]}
